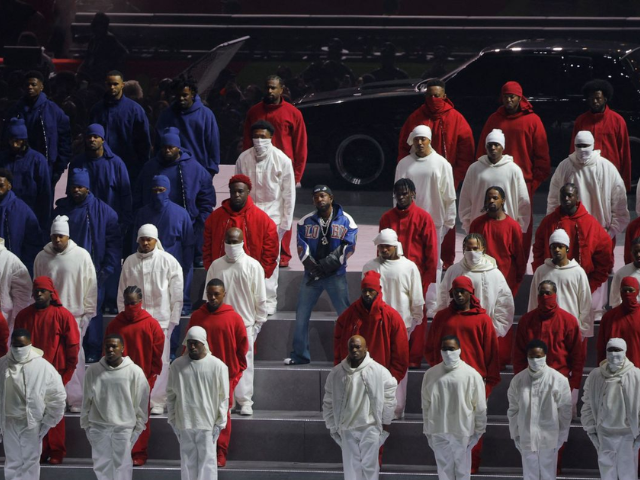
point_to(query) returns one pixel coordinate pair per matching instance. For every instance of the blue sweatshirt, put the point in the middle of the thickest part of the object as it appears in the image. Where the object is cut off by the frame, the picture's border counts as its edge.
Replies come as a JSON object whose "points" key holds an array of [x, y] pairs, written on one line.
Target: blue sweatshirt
{"points": [[20, 230]]}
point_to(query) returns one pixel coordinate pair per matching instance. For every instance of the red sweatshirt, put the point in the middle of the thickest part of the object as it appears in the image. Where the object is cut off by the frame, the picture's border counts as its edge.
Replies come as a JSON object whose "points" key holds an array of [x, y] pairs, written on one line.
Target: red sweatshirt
{"points": [[451, 136], [260, 234], [504, 243], [290, 131], [620, 323], [478, 340], [417, 233], [54, 331], [633, 232], [526, 142], [143, 339], [561, 332], [611, 137], [226, 335], [590, 243], [382, 328]]}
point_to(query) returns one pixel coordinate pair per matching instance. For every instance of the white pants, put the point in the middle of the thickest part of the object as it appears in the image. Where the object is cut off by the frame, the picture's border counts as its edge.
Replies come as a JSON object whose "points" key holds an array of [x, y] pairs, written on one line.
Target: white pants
{"points": [[540, 465], [599, 299], [360, 449], [453, 456], [431, 298], [159, 392], [22, 449], [617, 459], [111, 452], [271, 286], [198, 459], [244, 389], [401, 393], [75, 386]]}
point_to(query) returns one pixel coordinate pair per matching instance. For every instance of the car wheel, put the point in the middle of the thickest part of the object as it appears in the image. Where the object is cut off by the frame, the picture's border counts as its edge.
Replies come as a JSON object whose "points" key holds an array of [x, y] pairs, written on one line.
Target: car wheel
{"points": [[359, 159]]}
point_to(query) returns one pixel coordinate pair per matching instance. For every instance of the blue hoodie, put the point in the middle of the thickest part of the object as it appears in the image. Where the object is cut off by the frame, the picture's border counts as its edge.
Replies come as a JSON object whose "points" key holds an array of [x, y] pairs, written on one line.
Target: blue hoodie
{"points": [[109, 182], [198, 132], [48, 129], [20, 230], [31, 182]]}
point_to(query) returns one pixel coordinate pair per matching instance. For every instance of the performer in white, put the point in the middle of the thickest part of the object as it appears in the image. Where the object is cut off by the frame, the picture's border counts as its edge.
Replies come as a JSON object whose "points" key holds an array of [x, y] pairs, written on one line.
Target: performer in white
{"points": [[611, 413], [539, 414], [32, 400], [359, 400], [454, 410], [274, 188], [114, 410], [74, 275], [15, 285], [197, 402], [494, 169], [243, 277], [159, 275], [401, 289]]}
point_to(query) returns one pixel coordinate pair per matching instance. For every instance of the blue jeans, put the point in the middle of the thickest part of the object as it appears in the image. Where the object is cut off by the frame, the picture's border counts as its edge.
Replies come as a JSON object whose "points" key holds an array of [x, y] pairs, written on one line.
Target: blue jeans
{"points": [[336, 287]]}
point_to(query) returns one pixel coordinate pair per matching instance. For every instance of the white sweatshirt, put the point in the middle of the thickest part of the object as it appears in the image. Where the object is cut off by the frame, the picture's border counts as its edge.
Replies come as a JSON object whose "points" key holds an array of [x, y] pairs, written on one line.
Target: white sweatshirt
{"points": [[539, 409], [115, 396], [159, 275], [484, 174], [453, 401], [274, 184], [378, 385], [198, 393], [401, 287], [490, 287], [574, 292], [15, 284], [435, 190], [45, 394], [602, 190], [245, 287], [629, 270], [74, 277]]}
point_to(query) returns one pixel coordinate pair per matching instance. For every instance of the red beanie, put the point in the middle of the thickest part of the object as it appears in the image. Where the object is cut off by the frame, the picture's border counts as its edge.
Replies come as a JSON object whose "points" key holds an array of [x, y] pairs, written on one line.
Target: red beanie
{"points": [[241, 179], [371, 280]]}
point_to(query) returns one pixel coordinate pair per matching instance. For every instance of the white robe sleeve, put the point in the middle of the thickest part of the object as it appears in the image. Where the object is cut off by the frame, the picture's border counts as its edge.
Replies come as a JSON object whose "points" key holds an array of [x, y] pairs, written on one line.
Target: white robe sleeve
{"points": [[584, 303], [417, 299], [171, 396], [443, 291], [479, 401], [504, 308], [90, 289], [524, 202], [21, 288], [557, 181], [533, 292], [141, 401], [514, 408], [54, 400], [466, 200], [448, 194], [223, 397], [614, 291], [39, 265], [327, 404], [260, 296], [87, 399], [562, 396], [586, 413], [389, 385], [426, 404], [619, 211], [288, 188], [122, 284], [176, 287]]}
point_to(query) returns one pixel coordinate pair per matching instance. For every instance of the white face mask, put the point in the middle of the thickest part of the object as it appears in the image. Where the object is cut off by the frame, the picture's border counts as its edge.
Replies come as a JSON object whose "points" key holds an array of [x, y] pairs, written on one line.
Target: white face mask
{"points": [[450, 357], [537, 364], [261, 145], [615, 359], [583, 154], [20, 354], [234, 252], [473, 257]]}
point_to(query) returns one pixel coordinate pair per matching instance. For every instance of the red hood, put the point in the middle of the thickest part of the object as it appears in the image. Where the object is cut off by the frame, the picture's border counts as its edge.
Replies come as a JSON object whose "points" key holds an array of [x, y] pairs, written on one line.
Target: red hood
{"points": [[525, 108], [448, 105], [580, 212], [222, 309], [243, 211]]}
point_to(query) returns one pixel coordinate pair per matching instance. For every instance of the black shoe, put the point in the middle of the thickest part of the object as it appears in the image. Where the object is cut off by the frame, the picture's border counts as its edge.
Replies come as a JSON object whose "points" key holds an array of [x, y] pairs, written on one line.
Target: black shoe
{"points": [[197, 263]]}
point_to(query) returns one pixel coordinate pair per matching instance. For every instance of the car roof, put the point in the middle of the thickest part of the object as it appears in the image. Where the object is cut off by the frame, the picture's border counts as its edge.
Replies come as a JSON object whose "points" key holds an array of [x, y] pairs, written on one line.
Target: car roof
{"points": [[567, 45]]}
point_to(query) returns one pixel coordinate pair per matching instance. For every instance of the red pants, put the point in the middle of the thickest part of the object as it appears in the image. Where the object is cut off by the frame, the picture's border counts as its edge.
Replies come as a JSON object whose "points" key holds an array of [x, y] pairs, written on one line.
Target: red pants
{"points": [[448, 252], [505, 348], [285, 247], [416, 344], [225, 435], [53, 442], [476, 451]]}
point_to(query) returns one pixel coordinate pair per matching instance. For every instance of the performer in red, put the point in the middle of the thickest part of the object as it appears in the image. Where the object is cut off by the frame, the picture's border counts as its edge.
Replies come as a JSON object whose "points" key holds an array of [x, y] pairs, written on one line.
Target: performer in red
{"points": [[380, 325], [451, 137], [590, 244], [527, 142], [54, 330], [259, 231], [633, 232], [504, 238], [608, 128], [4, 335], [144, 343], [290, 137], [227, 339], [466, 319], [622, 321], [418, 236]]}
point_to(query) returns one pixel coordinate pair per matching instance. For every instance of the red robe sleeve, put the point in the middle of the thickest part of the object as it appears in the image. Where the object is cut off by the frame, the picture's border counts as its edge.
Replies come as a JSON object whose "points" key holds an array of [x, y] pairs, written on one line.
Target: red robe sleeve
{"points": [[432, 343], [339, 337], [4, 336], [520, 258], [246, 137], [270, 247], [602, 259], [575, 349], [207, 255], [299, 143], [491, 354], [430, 254], [403, 147], [604, 334], [519, 356], [158, 348], [242, 344], [540, 248], [633, 232], [71, 336], [488, 126], [399, 361], [465, 149], [540, 158]]}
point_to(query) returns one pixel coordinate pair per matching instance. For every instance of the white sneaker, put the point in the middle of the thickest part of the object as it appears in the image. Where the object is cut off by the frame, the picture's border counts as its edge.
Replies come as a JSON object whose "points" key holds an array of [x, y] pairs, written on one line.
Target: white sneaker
{"points": [[75, 409], [246, 410], [157, 411]]}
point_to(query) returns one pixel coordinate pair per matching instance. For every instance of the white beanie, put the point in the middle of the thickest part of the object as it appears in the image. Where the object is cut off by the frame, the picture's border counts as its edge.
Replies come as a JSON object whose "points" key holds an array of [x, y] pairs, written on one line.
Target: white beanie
{"points": [[199, 334], [388, 236], [584, 137], [495, 136], [617, 342], [560, 236], [60, 225], [419, 131]]}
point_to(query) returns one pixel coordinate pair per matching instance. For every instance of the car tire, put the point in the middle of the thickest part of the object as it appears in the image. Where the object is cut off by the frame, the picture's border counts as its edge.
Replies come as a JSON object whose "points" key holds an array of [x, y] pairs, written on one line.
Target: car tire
{"points": [[360, 160]]}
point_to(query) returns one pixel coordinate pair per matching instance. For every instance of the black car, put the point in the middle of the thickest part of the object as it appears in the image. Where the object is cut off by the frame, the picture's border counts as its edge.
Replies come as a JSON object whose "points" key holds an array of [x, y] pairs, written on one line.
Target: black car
{"points": [[356, 130]]}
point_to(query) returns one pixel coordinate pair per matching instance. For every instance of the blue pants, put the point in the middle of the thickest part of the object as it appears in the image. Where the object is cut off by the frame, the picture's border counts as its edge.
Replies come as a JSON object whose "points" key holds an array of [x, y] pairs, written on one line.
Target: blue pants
{"points": [[336, 287], [93, 338]]}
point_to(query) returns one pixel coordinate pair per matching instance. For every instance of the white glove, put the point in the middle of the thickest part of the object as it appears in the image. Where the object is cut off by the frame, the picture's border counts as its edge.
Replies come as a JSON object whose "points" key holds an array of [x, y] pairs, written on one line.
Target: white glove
{"points": [[298, 185], [216, 433], [281, 232], [134, 438], [517, 442], [176, 431], [256, 329], [473, 440], [43, 431], [594, 439], [337, 438], [560, 443]]}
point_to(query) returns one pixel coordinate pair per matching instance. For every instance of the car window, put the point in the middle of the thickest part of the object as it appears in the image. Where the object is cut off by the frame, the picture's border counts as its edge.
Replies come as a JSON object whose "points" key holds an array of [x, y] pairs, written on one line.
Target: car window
{"points": [[623, 79], [578, 71]]}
